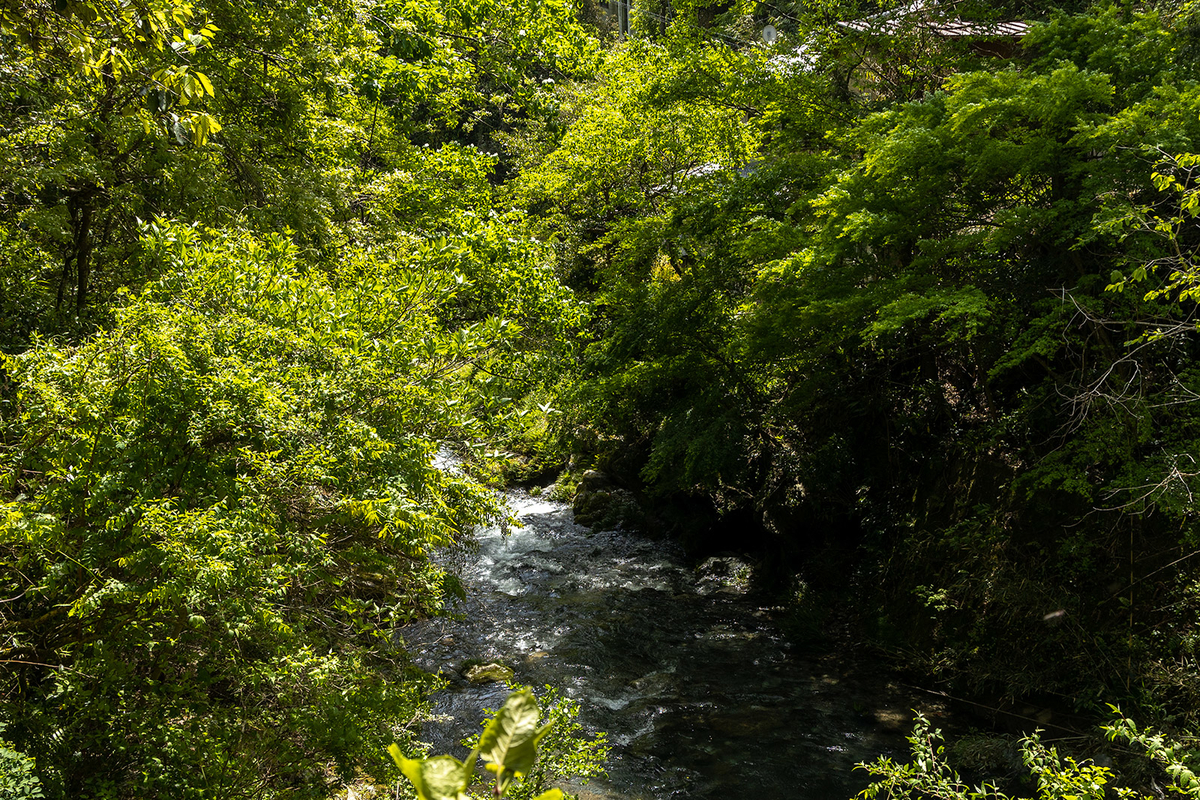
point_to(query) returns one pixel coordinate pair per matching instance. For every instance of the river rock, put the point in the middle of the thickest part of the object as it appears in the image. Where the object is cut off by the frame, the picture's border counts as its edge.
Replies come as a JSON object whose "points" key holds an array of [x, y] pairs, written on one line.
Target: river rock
{"points": [[598, 503], [593, 480], [489, 673], [728, 574]]}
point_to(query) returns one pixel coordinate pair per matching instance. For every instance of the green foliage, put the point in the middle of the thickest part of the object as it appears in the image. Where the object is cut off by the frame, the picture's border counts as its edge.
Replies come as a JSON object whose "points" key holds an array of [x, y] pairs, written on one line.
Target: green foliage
{"points": [[880, 296], [512, 747], [930, 775], [887, 334], [94, 97], [352, 124], [1179, 759], [509, 742], [110, 45], [218, 510], [217, 496], [17, 778], [563, 751], [627, 147]]}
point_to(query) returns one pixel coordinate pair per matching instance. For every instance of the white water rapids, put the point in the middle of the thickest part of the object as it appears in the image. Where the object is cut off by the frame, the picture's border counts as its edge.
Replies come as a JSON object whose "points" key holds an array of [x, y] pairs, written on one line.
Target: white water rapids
{"points": [[701, 694]]}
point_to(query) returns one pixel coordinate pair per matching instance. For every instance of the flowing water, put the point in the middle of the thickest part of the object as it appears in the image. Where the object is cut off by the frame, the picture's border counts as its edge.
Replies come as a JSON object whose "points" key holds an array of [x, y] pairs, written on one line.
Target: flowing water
{"points": [[700, 693]]}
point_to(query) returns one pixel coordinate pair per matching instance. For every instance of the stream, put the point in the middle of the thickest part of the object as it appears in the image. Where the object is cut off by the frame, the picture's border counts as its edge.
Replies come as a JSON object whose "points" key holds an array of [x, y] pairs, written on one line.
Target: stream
{"points": [[701, 694]]}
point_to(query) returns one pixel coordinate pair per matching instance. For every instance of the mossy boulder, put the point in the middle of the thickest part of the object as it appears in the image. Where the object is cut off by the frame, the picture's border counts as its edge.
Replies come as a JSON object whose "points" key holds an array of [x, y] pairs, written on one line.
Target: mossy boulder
{"points": [[599, 503], [488, 673]]}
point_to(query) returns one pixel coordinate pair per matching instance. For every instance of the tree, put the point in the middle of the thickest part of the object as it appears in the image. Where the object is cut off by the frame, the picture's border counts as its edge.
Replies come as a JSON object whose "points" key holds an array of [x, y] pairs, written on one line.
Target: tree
{"points": [[90, 92], [215, 513], [890, 342]]}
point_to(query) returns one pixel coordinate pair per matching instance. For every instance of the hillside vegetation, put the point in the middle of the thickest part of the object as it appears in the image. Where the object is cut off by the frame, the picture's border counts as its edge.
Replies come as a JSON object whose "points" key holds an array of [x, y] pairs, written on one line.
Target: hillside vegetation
{"points": [[908, 319]]}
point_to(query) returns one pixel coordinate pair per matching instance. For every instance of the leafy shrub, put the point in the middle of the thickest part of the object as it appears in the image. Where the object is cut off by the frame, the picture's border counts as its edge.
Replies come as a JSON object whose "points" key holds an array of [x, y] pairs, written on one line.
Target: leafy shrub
{"points": [[214, 514], [563, 752], [523, 747], [17, 781], [929, 775]]}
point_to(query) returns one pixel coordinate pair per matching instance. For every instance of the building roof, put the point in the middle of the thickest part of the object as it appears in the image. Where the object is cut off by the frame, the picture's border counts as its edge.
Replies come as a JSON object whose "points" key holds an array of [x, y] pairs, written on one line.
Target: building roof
{"points": [[929, 15]]}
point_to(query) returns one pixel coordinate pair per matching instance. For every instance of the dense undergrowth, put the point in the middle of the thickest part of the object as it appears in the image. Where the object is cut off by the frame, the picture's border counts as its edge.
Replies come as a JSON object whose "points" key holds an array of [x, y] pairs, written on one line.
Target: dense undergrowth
{"points": [[912, 317]]}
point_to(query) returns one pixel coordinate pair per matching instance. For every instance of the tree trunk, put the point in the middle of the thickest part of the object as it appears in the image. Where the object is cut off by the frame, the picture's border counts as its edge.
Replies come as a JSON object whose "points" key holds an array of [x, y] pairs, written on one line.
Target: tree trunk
{"points": [[81, 207], [83, 255]]}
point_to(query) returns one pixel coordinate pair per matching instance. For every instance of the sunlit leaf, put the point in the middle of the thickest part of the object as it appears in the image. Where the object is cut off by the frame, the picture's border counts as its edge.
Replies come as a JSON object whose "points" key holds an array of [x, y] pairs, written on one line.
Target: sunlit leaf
{"points": [[438, 778], [510, 739]]}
